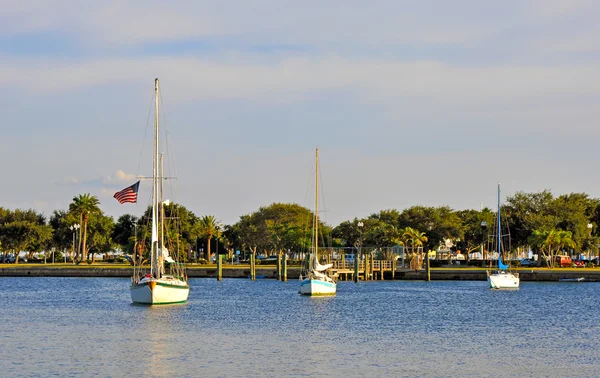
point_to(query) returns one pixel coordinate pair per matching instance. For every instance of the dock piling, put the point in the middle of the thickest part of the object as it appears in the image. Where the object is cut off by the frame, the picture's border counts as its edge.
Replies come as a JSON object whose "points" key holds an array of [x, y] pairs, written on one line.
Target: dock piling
{"points": [[253, 267], [284, 268], [219, 267]]}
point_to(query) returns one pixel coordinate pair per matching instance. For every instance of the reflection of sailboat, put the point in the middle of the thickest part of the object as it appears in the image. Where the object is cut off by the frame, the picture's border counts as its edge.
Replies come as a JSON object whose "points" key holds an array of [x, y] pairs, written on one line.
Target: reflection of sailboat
{"points": [[502, 279], [317, 281], [156, 287]]}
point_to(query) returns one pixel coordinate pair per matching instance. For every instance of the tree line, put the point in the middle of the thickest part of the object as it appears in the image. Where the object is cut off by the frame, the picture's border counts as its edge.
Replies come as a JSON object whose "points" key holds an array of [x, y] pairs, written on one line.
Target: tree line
{"points": [[549, 225]]}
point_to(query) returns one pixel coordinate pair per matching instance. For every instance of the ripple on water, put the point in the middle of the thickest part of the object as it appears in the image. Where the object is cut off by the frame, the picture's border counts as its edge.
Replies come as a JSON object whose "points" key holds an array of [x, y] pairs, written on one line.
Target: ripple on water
{"points": [[240, 328]]}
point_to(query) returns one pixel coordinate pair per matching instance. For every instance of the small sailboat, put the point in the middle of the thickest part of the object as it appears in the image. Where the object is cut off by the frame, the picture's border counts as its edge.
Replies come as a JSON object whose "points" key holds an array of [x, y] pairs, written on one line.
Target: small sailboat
{"points": [[502, 278], [156, 286], [316, 281]]}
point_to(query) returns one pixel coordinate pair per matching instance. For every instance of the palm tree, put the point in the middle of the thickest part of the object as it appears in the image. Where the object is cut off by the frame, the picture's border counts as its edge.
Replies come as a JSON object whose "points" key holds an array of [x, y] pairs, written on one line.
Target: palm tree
{"points": [[554, 240], [83, 205], [418, 239], [209, 227]]}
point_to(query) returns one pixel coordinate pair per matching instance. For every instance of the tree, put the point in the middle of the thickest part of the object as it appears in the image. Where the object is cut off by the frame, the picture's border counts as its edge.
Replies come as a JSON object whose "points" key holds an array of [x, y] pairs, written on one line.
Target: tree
{"points": [[209, 227], [83, 206], [473, 231], [24, 230], [350, 233], [62, 236], [416, 239], [439, 223], [124, 232], [551, 242], [100, 236]]}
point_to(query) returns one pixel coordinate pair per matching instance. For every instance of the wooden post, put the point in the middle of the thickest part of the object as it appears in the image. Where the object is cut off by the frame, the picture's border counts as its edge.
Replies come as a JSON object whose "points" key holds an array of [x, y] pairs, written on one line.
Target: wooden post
{"points": [[366, 266], [279, 267], [219, 267], [356, 264], [284, 268], [381, 270], [372, 265], [427, 267], [394, 263], [252, 267]]}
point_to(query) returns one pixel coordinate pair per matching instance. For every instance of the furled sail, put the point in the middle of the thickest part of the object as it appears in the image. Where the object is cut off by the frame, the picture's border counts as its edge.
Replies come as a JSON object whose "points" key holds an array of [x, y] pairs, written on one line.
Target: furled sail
{"points": [[320, 268], [165, 253]]}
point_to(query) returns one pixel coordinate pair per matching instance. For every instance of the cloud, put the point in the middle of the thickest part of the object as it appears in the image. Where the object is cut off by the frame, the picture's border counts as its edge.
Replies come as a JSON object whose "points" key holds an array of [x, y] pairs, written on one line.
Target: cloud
{"points": [[119, 177]]}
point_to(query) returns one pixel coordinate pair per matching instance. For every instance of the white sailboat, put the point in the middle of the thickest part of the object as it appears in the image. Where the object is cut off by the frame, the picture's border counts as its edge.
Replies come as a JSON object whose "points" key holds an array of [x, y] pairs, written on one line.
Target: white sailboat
{"points": [[316, 281], [502, 278], [156, 287]]}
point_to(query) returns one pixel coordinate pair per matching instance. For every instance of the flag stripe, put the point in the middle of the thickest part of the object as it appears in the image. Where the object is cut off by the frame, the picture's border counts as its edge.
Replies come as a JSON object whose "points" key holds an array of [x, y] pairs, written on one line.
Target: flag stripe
{"points": [[128, 194]]}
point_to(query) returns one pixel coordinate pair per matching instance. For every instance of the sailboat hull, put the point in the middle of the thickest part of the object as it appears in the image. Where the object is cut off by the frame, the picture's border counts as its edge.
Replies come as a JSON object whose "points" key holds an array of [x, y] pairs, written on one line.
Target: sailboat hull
{"points": [[315, 287], [503, 280], [158, 291]]}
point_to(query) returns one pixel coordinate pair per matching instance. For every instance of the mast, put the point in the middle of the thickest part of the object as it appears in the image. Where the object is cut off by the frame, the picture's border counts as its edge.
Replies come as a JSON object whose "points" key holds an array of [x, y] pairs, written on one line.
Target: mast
{"points": [[154, 270], [499, 237], [316, 206], [162, 214]]}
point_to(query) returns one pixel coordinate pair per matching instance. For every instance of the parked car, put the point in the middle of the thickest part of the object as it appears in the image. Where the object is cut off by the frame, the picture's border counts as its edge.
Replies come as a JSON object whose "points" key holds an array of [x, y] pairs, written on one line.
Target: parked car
{"points": [[528, 262]]}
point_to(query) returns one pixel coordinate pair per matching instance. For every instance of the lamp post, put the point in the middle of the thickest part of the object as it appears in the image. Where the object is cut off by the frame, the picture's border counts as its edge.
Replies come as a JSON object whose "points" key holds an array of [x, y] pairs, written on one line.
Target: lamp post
{"points": [[483, 228], [589, 227], [360, 226], [73, 228]]}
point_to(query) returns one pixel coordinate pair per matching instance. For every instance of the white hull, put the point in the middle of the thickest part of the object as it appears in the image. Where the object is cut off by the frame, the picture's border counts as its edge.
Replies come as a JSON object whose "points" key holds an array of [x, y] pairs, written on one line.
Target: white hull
{"points": [[315, 287], [503, 280], [159, 291]]}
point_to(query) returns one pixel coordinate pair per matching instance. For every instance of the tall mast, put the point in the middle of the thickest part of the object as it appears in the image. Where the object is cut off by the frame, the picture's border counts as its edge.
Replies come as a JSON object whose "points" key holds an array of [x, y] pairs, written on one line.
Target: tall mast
{"points": [[155, 271], [499, 238], [162, 214], [317, 205]]}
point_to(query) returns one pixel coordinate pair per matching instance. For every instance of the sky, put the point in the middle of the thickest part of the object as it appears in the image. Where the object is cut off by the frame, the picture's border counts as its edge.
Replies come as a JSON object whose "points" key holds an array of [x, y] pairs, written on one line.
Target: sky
{"points": [[409, 102]]}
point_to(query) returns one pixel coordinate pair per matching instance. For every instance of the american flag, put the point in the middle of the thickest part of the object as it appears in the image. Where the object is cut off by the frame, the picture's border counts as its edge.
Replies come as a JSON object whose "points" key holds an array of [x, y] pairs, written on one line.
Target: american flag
{"points": [[128, 194]]}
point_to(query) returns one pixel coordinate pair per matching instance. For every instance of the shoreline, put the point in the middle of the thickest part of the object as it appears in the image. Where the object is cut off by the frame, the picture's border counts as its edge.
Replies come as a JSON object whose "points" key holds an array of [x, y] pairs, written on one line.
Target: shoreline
{"points": [[270, 272]]}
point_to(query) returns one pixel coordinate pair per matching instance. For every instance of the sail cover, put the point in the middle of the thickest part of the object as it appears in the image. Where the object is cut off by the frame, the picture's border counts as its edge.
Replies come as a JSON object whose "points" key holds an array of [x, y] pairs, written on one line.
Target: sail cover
{"points": [[320, 268], [165, 254]]}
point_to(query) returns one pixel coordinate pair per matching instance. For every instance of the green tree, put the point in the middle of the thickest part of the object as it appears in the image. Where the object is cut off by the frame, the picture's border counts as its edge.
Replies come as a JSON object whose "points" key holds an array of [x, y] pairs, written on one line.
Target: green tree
{"points": [[124, 232], [100, 229], [439, 223], [24, 231], [474, 226]]}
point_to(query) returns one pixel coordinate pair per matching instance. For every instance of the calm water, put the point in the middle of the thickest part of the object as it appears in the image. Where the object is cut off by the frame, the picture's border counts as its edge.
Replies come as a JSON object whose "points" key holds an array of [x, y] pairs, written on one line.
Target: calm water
{"points": [[238, 328]]}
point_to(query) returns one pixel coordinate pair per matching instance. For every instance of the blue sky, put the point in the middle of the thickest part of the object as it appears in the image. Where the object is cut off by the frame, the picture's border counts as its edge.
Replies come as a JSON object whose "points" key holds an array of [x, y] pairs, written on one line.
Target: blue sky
{"points": [[428, 102]]}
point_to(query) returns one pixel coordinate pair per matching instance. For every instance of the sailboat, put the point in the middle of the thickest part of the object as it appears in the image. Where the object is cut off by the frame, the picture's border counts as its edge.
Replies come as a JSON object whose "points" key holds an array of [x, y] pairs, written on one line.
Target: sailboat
{"points": [[502, 278], [316, 281], [157, 287]]}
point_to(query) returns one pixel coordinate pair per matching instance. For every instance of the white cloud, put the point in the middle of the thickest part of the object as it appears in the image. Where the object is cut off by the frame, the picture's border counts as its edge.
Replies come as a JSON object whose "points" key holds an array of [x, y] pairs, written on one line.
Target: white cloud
{"points": [[119, 177]]}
